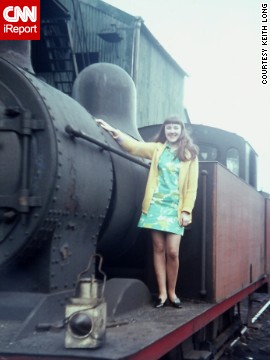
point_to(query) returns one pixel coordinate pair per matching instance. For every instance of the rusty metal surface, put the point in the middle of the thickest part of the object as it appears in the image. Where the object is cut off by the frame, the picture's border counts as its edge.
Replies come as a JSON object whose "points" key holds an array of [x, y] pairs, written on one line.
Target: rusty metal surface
{"points": [[234, 237], [238, 257]]}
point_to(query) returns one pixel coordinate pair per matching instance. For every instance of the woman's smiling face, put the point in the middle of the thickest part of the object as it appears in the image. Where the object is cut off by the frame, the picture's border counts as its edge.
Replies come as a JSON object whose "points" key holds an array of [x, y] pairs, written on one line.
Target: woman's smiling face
{"points": [[172, 132]]}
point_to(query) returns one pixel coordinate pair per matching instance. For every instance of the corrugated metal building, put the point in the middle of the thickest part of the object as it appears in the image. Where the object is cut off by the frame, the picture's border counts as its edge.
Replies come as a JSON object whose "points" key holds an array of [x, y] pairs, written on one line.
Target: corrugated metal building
{"points": [[76, 33]]}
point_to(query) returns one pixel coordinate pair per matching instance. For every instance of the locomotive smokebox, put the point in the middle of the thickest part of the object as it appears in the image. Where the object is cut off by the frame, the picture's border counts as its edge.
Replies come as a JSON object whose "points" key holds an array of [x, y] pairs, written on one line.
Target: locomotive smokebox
{"points": [[61, 198], [52, 201]]}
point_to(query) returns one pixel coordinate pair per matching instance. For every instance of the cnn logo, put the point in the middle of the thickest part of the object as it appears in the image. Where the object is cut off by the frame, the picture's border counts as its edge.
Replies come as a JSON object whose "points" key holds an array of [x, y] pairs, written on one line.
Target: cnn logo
{"points": [[20, 20], [17, 13]]}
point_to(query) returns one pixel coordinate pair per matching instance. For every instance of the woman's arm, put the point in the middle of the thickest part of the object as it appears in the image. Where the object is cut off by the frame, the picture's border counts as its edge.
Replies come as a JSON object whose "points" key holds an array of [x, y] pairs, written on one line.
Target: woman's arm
{"points": [[134, 147], [192, 186], [190, 193]]}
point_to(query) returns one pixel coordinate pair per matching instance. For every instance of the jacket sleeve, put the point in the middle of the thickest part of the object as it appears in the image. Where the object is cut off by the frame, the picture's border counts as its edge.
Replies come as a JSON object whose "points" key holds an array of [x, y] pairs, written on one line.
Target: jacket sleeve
{"points": [[135, 147], [192, 186]]}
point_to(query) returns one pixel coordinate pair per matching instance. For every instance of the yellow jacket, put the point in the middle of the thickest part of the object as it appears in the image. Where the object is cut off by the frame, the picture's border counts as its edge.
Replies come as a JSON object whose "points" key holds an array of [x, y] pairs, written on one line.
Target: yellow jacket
{"points": [[188, 174]]}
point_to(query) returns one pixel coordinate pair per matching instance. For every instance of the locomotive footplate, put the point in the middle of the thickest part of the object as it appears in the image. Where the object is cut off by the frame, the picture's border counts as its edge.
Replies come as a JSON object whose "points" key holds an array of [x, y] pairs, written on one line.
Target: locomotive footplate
{"points": [[141, 333]]}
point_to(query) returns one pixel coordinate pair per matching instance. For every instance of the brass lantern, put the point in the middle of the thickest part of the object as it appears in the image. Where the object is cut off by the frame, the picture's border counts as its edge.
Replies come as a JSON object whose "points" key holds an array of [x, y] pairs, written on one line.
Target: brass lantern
{"points": [[86, 314]]}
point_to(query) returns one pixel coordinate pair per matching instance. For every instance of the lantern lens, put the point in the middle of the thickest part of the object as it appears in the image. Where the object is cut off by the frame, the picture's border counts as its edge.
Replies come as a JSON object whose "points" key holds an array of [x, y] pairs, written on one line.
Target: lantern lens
{"points": [[80, 324]]}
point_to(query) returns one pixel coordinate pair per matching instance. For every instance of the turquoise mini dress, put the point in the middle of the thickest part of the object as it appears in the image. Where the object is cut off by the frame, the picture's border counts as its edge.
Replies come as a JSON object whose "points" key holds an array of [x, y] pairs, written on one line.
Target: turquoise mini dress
{"points": [[163, 211]]}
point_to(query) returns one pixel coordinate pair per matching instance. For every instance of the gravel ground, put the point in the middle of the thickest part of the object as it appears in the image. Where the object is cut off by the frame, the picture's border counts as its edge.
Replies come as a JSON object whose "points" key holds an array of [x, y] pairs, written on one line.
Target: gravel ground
{"points": [[254, 344]]}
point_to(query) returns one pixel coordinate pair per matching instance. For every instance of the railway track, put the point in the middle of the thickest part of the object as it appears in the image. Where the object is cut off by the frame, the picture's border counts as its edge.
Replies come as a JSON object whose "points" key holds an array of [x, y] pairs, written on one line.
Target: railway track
{"points": [[253, 340]]}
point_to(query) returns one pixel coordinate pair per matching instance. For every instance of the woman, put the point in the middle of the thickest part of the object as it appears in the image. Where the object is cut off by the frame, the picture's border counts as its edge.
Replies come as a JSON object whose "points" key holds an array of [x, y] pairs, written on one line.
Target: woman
{"points": [[169, 197]]}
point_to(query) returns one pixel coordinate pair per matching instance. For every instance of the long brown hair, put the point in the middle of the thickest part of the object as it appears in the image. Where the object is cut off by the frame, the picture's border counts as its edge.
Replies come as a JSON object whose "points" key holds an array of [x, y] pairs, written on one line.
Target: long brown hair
{"points": [[186, 149]]}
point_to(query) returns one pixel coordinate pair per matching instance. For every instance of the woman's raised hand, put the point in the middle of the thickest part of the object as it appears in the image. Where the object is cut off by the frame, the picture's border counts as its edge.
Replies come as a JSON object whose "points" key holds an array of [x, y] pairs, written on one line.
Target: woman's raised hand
{"points": [[107, 127]]}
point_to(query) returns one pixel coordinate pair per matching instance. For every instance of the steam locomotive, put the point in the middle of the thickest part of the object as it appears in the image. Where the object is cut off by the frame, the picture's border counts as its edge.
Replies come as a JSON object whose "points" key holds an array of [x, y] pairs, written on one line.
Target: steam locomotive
{"points": [[68, 192]]}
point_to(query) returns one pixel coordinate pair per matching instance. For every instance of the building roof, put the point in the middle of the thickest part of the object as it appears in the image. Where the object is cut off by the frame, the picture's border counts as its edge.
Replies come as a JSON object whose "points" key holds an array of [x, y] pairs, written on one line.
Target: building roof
{"points": [[151, 37], [128, 19]]}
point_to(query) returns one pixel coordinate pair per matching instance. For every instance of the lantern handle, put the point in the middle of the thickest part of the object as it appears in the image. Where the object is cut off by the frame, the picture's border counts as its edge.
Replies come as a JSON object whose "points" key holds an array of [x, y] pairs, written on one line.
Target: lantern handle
{"points": [[99, 269]]}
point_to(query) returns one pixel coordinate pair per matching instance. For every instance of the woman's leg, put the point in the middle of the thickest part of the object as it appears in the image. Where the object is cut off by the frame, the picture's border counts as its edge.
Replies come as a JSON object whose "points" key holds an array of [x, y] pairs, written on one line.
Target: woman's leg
{"points": [[172, 255], [160, 262]]}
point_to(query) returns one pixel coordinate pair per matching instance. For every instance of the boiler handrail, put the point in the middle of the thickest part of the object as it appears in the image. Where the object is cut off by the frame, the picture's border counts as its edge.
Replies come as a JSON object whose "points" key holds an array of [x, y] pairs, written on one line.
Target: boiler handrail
{"points": [[80, 134]]}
